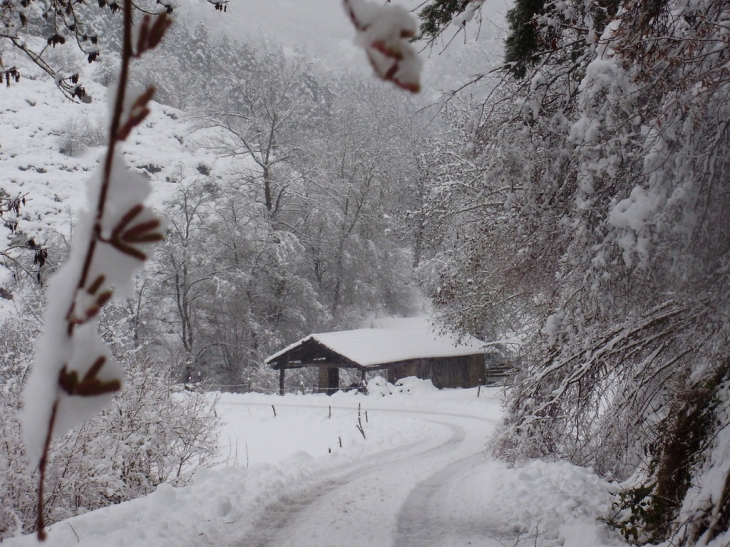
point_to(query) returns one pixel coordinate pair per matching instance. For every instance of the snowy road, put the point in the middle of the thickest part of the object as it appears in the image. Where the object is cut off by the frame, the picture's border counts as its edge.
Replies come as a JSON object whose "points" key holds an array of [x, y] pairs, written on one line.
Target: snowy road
{"points": [[395, 498], [303, 476]]}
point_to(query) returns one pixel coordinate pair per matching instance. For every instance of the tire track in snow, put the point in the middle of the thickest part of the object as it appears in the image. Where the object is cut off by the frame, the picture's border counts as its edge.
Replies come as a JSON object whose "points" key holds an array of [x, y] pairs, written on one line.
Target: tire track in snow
{"points": [[358, 505], [425, 519], [282, 522]]}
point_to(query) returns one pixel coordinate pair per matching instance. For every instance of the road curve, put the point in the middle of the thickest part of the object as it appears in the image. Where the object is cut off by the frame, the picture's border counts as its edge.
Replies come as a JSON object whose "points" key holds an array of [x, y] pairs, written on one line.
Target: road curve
{"points": [[390, 499]]}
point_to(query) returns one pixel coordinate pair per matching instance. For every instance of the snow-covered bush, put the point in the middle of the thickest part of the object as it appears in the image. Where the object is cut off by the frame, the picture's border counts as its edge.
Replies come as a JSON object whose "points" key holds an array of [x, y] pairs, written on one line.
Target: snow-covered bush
{"points": [[412, 385], [687, 492], [17, 487], [77, 134], [151, 433]]}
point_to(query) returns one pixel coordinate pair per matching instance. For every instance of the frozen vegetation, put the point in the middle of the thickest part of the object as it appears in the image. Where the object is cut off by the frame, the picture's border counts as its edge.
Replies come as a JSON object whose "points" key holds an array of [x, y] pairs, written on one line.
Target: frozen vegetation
{"points": [[178, 203]]}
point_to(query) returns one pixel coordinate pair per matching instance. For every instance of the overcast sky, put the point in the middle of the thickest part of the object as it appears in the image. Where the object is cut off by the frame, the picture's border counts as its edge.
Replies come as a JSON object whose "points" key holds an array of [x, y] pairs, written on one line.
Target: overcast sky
{"points": [[321, 29]]}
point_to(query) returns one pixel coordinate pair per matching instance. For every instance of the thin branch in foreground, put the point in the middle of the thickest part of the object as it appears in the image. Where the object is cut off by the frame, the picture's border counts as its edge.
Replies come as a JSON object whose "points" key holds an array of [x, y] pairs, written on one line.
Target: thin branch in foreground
{"points": [[70, 342]]}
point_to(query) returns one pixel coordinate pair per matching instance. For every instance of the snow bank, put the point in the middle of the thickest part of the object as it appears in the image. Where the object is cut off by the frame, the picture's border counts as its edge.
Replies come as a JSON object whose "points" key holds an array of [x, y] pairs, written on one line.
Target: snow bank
{"points": [[264, 457], [555, 502], [411, 385]]}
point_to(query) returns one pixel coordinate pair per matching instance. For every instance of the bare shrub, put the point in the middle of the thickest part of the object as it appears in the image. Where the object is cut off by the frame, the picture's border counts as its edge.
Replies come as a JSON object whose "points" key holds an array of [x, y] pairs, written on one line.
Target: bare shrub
{"points": [[77, 134]]}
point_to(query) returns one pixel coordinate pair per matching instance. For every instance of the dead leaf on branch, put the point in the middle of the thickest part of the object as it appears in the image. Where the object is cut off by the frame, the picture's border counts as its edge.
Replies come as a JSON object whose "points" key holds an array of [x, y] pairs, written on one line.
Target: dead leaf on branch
{"points": [[96, 284], [92, 310], [149, 37], [89, 385], [145, 232], [137, 114]]}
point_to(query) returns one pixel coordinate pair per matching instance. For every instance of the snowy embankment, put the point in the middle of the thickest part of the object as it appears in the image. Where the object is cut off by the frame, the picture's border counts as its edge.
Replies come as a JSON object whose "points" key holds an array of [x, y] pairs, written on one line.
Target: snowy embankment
{"points": [[50, 147], [285, 479]]}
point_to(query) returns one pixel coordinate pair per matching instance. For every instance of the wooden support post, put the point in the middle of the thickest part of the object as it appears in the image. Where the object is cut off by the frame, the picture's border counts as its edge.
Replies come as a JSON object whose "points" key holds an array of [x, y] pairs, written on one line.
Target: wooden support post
{"points": [[281, 381]]}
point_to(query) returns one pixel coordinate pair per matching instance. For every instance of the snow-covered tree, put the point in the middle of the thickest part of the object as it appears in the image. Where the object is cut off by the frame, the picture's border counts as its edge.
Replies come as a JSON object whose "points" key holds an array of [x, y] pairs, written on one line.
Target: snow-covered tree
{"points": [[258, 112], [613, 148], [353, 181]]}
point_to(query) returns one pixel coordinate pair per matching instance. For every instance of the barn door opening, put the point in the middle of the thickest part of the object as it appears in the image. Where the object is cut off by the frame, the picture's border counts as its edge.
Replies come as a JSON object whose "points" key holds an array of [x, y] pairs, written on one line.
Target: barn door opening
{"points": [[333, 380]]}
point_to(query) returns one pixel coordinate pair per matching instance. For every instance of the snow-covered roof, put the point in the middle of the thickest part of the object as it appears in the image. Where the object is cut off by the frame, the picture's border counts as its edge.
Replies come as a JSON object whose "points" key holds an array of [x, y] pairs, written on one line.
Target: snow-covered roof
{"points": [[397, 340]]}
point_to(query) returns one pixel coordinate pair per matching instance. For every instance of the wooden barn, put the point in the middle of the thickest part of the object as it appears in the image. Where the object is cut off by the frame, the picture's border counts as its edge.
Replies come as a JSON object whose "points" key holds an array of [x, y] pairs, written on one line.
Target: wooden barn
{"points": [[403, 348]]}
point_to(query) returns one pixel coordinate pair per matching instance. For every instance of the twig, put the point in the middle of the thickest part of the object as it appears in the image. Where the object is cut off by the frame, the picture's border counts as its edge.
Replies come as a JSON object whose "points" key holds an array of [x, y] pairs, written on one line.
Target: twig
{"points": [[358, 425], [40, 522], [74, 531]]}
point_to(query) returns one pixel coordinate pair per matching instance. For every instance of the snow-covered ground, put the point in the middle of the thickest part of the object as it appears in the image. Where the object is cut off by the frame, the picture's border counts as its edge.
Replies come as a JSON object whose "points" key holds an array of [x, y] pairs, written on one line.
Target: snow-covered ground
{"points": [[420, 477], [56, 145]]}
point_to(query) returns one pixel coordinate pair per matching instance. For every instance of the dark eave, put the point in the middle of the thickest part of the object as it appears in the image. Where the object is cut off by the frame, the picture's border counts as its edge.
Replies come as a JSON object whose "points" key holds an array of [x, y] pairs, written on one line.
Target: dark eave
{"points": [[312, 353]]}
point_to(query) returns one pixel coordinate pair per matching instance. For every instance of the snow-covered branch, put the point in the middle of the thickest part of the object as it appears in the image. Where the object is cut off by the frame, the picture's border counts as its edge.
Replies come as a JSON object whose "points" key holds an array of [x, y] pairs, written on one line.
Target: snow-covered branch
{"points": [[74, 374]]}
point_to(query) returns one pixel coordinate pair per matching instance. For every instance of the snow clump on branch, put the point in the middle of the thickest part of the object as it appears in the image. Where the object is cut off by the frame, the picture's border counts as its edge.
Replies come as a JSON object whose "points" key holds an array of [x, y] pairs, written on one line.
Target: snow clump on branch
{"points": [[383, 31], [82, 362], [468, 14]]}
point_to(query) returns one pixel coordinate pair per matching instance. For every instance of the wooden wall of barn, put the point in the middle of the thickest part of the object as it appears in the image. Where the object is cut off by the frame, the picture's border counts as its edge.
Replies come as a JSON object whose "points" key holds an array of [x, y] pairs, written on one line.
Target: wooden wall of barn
{"points": [[466, 371]]}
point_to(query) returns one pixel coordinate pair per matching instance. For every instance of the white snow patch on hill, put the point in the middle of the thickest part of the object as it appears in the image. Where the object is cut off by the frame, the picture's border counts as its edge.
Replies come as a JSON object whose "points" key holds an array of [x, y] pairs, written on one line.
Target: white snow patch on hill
{"points": [[50, 147]]}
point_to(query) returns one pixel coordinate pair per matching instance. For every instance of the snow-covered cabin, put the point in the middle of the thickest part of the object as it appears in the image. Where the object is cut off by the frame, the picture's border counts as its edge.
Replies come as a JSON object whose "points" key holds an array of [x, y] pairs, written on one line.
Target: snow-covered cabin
{"points": [[397, 347]]}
